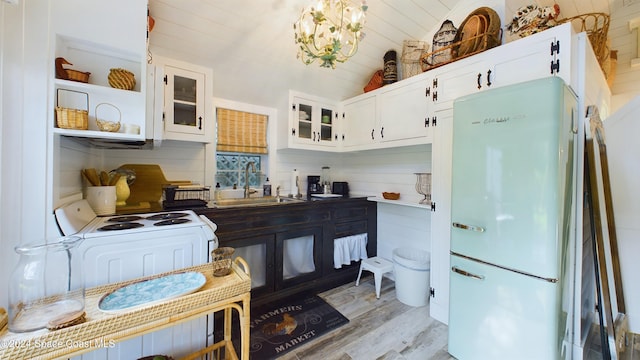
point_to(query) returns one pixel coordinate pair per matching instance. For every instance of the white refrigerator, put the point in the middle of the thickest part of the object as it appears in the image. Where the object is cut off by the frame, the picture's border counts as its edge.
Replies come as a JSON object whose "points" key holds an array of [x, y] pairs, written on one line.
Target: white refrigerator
{"points": [[513, 177]]}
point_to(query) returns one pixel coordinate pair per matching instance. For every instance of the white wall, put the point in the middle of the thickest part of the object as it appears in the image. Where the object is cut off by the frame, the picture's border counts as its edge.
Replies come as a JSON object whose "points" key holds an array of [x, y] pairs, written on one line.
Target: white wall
{"points": [[24, 142], [623, 155], [627, 81], [369, 173], [179, 160]]}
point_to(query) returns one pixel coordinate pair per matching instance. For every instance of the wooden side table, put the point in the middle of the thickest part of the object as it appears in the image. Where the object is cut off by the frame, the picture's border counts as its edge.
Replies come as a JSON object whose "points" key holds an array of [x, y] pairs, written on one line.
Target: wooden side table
{"points": [[100, 329]]}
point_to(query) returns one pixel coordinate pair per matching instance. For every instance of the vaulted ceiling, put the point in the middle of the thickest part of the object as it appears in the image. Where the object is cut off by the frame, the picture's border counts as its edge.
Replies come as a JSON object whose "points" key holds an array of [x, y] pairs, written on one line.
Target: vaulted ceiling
{"points": [[250, 44]]}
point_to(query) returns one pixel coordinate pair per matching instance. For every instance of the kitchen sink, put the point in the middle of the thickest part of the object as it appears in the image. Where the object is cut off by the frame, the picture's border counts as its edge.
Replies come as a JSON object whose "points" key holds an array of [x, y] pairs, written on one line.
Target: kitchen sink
{"points": [[258, 201]]}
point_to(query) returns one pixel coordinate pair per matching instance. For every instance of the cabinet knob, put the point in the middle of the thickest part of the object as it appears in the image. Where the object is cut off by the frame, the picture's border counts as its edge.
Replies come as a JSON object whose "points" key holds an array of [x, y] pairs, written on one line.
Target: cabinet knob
{"points": [[372, 132], [200, 123], [382, 133], [479, 81], [293, 132], [488, 77]]}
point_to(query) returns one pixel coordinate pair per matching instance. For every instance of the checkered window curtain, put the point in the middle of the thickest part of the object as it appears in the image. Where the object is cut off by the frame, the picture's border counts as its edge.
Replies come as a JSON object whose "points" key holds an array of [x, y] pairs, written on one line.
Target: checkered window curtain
{"points": [[241, 132]]}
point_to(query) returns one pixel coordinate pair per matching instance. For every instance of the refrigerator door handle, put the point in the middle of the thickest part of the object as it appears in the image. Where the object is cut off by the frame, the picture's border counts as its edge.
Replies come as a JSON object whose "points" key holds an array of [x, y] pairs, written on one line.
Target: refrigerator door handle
{"points": [[466, 273], [468, 227]]}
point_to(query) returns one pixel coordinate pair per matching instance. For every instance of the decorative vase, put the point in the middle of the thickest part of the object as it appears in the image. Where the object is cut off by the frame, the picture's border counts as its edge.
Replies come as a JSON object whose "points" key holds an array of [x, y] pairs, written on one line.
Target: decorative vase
{"points": [[423, 187], [122, 191], [390, 74], [46, 285]]}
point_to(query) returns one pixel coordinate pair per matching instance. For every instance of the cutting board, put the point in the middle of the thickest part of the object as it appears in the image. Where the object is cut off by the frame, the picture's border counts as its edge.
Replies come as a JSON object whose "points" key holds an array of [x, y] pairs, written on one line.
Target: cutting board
{"points": [[148, 185]]}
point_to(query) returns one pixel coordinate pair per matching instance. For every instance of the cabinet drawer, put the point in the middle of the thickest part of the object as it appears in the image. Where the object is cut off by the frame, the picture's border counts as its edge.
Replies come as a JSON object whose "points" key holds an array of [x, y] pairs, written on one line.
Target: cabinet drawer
{"points": [[249, 221], [351, 212], [351, 228]]}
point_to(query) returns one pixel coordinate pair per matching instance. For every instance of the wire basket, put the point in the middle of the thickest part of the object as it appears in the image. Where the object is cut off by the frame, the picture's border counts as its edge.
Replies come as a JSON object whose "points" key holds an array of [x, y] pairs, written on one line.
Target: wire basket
{"points": [[107, 125], [596, 25]]}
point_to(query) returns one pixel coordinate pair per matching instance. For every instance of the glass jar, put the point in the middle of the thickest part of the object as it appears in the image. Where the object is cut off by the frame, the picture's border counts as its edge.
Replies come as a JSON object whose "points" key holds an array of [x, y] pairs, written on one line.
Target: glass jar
{"points": [[46, 284]]}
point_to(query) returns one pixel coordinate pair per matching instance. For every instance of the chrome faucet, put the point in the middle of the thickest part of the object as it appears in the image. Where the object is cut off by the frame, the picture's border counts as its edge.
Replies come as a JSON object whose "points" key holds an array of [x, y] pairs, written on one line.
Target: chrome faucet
{"points": [[247, 191]]}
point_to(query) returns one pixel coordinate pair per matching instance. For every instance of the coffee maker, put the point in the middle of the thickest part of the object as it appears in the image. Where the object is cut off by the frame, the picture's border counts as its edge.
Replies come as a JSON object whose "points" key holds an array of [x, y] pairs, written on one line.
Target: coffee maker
{"points": [[313, 185]]}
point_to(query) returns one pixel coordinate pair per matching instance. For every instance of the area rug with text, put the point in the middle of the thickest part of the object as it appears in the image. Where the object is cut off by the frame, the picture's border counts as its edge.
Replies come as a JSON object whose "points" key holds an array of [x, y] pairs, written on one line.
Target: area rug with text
{"points": [[280, 327]]}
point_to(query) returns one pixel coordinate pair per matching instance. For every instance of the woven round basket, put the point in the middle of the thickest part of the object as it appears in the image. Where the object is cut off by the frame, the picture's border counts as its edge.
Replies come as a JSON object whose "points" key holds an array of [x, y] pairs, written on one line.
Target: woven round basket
{"points": [[480, 31], [121, 79]]}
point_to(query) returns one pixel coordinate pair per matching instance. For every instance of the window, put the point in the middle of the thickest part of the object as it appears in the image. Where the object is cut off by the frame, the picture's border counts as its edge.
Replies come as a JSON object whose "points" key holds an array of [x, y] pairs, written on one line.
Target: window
{"points": [[231, 168], [241, 131], [243, 135]]}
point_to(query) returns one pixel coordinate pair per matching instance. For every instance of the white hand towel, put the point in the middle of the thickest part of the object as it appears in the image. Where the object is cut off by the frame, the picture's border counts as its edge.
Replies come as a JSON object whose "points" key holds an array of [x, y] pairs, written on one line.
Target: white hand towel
{"points": [[349, 248]]}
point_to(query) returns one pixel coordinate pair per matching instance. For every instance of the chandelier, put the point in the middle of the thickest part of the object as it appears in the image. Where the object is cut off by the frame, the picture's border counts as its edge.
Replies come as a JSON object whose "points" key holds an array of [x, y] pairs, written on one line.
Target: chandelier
{"points": [[329, 31]]}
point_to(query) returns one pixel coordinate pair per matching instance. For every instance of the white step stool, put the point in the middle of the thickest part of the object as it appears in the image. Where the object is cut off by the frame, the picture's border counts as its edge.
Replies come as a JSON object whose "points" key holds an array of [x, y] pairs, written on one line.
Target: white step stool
{"points": [[377, 266]]}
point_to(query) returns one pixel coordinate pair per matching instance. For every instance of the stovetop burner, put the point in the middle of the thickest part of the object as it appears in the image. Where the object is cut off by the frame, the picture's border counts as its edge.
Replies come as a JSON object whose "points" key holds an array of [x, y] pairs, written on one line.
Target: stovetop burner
{"points": [[166, 216], [171, 222], [120, 219], [120, 226]]}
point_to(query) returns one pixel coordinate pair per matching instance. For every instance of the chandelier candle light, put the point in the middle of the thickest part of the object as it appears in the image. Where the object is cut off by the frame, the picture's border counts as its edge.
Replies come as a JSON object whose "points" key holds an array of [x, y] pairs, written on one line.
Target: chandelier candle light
{"points": [[329, 31]]}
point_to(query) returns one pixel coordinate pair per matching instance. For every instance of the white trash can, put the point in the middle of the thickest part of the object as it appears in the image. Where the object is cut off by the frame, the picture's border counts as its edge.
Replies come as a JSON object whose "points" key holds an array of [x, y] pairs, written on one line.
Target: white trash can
{"points": [[412, 268]]}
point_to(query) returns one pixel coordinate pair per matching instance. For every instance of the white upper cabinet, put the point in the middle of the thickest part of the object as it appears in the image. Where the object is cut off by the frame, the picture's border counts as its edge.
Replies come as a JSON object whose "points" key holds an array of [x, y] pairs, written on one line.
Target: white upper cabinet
{"points": [[183, 109], [313, 123], [359, 121], [404, 112], [547, 53], [96, 37], [394, 115]]}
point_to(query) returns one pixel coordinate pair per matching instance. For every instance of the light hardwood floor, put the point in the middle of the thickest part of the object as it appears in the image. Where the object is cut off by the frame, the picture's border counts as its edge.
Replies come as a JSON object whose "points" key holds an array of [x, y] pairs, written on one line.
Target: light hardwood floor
{"points": [[386, 329], [382, 328]]}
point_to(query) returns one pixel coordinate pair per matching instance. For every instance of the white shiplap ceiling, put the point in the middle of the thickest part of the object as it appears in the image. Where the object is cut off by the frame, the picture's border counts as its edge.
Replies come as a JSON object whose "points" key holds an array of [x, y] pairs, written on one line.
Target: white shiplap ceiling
{"points": [[249, 43]]}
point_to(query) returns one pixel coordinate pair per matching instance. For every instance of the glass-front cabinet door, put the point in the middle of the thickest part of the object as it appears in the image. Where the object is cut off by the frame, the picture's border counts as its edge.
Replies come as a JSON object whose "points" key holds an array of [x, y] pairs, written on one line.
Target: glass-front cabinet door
{"points": [[312, 123], [326, 124], [184, 101], [298, 256]]}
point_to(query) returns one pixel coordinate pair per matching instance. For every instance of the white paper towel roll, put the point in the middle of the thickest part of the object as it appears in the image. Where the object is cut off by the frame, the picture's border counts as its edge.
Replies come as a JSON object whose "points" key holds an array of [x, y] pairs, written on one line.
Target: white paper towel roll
{"points": [[294, 182]]}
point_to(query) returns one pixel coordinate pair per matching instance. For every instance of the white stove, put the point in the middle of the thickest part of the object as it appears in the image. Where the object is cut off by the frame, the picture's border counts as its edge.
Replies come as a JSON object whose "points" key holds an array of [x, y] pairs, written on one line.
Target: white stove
{"points": [[79, 219], [124, 247]]}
